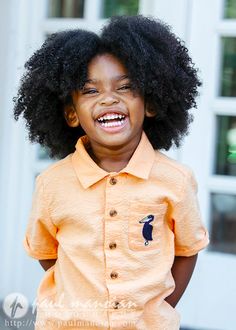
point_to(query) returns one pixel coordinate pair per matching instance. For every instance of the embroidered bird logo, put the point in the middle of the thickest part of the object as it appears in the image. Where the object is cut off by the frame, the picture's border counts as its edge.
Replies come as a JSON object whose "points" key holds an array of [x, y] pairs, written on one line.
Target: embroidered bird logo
{"points": [[147, 228]]}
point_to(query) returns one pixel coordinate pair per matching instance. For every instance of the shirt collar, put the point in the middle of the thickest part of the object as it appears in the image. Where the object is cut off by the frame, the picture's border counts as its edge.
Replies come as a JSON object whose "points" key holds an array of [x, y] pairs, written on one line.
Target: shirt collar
{"points": [[88, 172]]}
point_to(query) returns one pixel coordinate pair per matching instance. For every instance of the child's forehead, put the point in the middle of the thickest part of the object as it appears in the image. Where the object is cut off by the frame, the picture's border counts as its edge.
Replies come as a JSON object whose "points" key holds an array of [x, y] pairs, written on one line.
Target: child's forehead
{"points": [[106, 65], [115, 78]]}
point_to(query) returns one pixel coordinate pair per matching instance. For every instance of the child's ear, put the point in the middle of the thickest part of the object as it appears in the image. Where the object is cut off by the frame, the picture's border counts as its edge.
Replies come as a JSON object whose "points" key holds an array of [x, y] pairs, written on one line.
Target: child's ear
{"points": [[149, 113], [148, 110], [71, 116]]}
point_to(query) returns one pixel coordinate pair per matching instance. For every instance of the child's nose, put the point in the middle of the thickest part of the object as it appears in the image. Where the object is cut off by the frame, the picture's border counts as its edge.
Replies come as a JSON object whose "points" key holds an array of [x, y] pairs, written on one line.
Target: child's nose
{"points": [[108, 99]]}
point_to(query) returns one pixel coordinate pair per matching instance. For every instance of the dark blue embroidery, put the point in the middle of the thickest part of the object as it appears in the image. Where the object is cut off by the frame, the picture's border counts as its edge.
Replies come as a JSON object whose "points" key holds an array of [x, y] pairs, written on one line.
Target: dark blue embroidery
{"points": [[147, 228]]}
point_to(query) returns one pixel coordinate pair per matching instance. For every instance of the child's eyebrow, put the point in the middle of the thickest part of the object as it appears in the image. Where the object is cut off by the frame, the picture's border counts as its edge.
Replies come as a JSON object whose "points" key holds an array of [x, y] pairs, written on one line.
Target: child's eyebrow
{"points": [[124, 76], [96, 81]]}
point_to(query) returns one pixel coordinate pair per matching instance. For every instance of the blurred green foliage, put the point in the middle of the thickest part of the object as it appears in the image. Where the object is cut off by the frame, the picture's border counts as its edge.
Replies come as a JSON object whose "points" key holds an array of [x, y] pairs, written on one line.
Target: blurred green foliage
{"points": [[120, 7], [228, 78], [230, 9]]}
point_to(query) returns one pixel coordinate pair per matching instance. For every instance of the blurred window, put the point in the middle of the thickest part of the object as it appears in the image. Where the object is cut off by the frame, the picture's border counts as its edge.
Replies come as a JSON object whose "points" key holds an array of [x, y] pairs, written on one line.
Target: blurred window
{"points": [[223, 225], [66, 8], [228, 71], [225, 163], [120, 7], [230, 9]]}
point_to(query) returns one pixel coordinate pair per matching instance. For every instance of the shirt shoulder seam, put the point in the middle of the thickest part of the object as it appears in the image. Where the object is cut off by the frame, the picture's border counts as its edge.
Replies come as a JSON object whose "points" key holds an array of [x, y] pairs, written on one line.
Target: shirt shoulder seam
{"points": [[186, 171], [62, 162], [167, 160]]}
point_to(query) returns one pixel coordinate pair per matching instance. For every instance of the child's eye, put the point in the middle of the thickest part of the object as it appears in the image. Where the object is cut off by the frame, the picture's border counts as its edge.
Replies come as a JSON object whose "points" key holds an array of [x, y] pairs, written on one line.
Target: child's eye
{"points": [[124, 87], [89, 91]]}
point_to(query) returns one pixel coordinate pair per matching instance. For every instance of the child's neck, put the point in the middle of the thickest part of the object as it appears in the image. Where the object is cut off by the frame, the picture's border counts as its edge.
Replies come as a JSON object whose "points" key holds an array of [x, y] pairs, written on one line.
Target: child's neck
{"points": [[111, 160]]}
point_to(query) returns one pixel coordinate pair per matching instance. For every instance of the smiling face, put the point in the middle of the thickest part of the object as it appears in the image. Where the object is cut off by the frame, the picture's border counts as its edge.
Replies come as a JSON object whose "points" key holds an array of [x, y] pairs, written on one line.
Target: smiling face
{"points": [[108, 110]]}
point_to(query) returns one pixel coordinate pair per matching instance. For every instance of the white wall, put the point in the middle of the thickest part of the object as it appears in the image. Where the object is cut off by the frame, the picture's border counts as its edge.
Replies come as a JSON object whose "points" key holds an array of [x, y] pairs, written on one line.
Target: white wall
{"points": [[16, 172]]}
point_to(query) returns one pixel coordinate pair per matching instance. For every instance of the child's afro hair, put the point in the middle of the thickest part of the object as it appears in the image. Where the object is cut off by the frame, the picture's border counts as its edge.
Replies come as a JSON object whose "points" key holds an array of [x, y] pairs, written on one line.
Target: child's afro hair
{"points": [[157, 63]]}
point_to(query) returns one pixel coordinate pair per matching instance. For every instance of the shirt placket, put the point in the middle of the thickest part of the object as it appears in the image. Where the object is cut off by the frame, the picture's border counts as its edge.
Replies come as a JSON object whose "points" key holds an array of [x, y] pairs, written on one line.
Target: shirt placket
{"points": [[112, 243]]}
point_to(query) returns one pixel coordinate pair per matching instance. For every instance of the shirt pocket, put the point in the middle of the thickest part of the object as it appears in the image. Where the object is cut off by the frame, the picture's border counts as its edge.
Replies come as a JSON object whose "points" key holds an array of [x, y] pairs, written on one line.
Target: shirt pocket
{"points": [[145, 225]]}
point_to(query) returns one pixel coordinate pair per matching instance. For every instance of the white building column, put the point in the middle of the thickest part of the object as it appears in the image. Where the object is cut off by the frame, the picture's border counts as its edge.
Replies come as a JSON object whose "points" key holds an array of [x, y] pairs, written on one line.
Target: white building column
{"points": [[20, 20]]}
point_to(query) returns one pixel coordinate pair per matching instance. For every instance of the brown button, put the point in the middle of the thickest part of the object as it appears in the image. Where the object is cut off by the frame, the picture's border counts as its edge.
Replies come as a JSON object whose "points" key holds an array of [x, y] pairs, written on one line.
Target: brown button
{"points": [[112, 245], [113, 181], [113, 213], [114, 275], [116, 305]]}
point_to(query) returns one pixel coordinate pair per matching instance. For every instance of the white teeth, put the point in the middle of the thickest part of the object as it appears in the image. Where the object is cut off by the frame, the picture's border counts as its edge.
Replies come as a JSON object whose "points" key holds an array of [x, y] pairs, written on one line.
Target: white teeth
{"points": [[110, 117], [112, 124]]}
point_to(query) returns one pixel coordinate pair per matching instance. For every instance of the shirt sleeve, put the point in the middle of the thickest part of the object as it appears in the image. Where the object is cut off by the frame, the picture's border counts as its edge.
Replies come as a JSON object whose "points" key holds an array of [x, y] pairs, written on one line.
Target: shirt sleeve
{"points": [[190, 234], [40, 238]]}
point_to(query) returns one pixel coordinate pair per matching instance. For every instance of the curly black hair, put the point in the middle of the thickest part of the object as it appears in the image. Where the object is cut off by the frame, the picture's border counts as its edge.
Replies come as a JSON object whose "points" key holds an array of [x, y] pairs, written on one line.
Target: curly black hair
{"points": [[158, 65]]}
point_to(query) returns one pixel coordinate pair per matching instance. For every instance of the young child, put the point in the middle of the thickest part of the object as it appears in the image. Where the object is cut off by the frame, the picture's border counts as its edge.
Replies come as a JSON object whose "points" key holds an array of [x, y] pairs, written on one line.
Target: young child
{"points": [[115, 223]]}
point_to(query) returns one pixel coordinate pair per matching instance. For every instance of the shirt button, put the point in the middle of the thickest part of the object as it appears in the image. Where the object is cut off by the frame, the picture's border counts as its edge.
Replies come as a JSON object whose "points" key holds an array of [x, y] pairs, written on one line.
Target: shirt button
{"points": [[116, 305], [113, 181], [112, 245], [114, 275], [113, 213]]}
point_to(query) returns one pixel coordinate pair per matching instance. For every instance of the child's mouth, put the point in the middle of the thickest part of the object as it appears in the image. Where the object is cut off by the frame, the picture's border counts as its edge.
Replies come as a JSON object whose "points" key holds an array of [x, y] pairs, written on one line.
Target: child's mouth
{"points": [[112, 122]]}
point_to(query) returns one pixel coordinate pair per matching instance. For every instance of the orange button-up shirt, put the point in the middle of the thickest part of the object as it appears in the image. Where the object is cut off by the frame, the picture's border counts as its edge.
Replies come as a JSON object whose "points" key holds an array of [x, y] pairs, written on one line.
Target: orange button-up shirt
{"points": [[115, 237]]}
